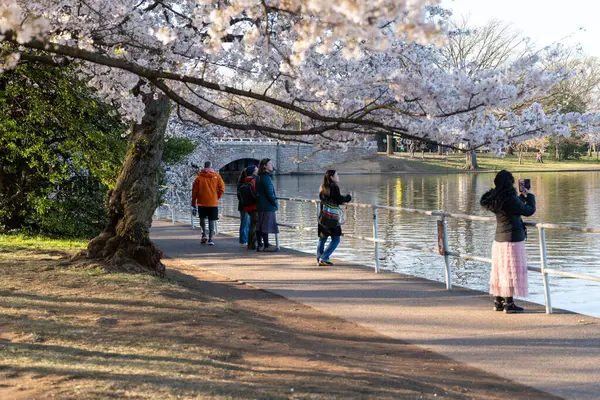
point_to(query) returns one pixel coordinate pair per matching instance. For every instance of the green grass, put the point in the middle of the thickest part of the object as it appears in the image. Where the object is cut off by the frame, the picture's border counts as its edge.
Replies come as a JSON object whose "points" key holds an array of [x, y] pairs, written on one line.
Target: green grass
{"points": [[489, 162], [20, 241]]}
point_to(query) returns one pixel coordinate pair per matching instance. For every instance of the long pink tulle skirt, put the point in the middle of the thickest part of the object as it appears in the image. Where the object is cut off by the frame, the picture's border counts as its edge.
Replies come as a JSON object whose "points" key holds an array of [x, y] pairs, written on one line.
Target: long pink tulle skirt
{"points": [[509, 269]]}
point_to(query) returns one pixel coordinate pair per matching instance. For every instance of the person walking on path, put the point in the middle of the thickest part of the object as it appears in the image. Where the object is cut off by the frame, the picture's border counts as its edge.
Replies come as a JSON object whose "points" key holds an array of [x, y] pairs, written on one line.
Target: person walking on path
{"points": [[207, 189], [266, 204], [329, 223], [244, 217], [247, 196], [538, 157], [508, 277]]}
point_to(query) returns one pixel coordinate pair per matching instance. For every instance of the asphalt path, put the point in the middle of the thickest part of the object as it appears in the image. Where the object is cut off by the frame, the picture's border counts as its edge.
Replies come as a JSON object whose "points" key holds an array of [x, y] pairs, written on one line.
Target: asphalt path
{"points": [[558, 353]]}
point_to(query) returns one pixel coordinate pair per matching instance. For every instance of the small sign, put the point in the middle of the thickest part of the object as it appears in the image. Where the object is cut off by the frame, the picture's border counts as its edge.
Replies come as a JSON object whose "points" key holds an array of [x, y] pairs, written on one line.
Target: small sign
{"points": [[440, 229]]}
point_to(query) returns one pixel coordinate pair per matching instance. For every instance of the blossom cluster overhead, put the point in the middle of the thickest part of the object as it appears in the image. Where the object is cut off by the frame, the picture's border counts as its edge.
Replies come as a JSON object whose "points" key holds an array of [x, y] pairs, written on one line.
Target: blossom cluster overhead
{"points": [[318, 71]]}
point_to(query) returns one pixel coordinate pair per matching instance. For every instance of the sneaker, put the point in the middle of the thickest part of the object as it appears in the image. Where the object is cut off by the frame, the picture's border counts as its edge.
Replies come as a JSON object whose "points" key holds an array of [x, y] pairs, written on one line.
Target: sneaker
{"points": [[251, 247], [244, 244], [318, 261], [210, 242], [270, 249], [203, 240], [512, 308], [324, 263], [260, 247]]}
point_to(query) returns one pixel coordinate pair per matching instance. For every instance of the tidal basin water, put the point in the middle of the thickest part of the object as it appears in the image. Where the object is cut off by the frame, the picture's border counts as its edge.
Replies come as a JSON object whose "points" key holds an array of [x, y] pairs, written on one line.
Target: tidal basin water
{"points": [[562, 198]]}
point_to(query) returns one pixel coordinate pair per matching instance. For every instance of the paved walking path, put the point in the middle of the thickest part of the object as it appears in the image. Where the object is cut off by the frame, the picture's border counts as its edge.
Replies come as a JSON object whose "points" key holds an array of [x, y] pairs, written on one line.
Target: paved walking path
{"points": [[558, 353]]}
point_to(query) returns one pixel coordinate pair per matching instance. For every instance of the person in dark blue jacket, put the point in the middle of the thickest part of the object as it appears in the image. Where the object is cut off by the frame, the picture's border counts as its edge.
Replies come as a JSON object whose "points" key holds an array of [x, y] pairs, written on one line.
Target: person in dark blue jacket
{"points": [[266, 205]]}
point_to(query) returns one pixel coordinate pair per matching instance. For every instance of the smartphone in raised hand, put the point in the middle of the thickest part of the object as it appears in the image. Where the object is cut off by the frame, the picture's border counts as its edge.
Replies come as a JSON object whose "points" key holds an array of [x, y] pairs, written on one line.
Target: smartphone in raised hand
{"points": [[524, 184]]}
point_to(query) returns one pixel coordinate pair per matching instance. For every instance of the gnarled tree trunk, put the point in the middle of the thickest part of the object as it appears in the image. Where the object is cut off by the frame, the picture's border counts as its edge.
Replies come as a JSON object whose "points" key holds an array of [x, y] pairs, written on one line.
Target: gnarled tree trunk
{"points": [[125, 243]]}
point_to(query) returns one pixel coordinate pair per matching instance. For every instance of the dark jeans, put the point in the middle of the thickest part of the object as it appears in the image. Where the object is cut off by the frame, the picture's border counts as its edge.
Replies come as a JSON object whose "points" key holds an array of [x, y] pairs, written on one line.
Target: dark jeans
{"points": [[262, 239], [252, 230]]}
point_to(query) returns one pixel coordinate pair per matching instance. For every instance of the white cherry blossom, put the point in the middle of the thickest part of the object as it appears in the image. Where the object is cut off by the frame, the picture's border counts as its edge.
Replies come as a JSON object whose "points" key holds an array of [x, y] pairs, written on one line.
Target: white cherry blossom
{"points": [[324, 72]]}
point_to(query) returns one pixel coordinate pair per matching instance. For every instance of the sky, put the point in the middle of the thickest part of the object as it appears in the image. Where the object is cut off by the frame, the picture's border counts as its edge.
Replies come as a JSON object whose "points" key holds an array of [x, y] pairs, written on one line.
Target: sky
{"points": [[545, 22]]}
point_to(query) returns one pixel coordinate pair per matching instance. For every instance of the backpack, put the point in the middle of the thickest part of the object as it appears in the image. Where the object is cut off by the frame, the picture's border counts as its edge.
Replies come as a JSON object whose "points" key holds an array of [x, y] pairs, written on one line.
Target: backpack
{"points": [[246, 194]]}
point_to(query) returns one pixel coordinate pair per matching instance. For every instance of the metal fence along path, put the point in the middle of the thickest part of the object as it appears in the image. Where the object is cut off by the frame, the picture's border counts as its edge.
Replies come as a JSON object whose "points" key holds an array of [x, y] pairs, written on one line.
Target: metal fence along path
{"points": [[177, 207]]}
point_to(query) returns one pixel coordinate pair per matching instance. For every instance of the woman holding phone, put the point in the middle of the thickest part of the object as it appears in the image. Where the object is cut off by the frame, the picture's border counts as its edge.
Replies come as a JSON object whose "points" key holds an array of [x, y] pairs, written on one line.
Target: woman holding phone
{"points": [[509, 261]]}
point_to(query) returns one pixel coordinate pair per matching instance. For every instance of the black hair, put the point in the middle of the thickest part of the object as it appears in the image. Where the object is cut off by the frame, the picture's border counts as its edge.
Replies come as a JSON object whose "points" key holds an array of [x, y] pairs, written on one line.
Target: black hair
{"points": [[495, 198], [243, 176]]}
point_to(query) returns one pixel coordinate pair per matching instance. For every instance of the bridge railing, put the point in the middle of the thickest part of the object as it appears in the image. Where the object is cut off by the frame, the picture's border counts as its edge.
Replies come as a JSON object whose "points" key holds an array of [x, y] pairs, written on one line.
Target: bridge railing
{"points": [[246, 140], [274, 141], [444, 250]]}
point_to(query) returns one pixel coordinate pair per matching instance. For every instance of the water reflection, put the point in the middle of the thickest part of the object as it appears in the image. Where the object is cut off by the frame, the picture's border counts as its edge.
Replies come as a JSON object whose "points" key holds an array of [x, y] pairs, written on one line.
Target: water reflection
{"points": [[563, 198]]}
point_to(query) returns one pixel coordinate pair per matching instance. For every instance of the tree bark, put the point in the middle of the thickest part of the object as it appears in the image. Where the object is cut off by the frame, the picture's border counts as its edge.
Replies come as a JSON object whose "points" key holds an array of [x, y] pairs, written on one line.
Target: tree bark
{"points": [[557, 149], [520, 156], [471, 161], [125, 244], [411, 149], [390, 145]]}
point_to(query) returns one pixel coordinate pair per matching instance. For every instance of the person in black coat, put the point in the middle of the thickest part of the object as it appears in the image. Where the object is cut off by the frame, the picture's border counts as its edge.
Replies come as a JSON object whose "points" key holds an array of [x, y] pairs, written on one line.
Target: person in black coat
{"points": [[508, 276], [329, 225]]}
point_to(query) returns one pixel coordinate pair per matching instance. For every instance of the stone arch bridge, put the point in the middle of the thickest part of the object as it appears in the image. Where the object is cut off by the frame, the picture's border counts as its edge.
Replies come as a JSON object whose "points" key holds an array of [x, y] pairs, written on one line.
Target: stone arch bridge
{"points": [[287, 157]]}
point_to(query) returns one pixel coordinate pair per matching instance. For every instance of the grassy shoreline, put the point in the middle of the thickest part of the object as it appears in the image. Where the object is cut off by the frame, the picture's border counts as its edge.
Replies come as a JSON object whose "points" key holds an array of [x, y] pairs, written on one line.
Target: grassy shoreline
{"points": [[489, 163], [431, 163]]}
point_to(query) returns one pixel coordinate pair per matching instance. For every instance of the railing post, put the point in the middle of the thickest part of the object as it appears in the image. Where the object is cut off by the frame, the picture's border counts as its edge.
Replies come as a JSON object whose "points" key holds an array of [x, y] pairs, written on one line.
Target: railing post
{"points": [[543, 264], [375, 235], [276, 235], [446, 256]]}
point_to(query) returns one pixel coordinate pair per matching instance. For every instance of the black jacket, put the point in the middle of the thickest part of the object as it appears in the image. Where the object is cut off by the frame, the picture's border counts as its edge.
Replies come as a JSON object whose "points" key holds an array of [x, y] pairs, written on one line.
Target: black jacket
{"points": [[336, 198], [509, 224]]}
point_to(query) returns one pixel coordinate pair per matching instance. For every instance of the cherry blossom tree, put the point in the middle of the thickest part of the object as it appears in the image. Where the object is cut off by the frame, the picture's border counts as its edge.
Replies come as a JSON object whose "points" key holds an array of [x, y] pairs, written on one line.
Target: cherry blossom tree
{"points": [[320, 72]]}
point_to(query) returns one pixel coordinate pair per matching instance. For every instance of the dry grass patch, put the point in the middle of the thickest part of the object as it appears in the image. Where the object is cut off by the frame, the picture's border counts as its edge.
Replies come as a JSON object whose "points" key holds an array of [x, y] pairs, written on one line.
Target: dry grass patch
{"points": [[83, 333]]}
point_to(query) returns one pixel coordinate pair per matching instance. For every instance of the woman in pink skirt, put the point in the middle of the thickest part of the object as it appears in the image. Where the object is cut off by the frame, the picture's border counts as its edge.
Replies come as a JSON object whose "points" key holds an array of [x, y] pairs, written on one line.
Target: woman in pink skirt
{"points": [[509, 261]]}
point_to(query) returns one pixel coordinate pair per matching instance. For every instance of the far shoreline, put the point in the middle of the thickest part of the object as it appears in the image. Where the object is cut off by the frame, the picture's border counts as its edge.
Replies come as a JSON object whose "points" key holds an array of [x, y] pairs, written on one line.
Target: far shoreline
{"points": [[432, 164], [449, 171]]}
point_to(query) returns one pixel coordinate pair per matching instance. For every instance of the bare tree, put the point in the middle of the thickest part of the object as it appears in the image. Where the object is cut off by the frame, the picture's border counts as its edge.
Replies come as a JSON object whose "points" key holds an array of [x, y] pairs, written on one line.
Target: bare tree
{"points": [[490, 46], [472, 49]]}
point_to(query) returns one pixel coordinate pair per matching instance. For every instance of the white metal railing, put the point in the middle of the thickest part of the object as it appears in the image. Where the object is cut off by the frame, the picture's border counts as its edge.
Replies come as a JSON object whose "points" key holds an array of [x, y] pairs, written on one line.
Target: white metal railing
{"points": [[443, 246], [247, 140]]}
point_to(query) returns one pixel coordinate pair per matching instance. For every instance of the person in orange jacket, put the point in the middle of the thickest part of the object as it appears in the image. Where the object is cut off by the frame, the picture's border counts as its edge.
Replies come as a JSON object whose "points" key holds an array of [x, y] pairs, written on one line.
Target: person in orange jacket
{"points": [[207, 189]]}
